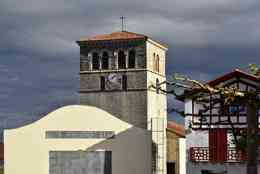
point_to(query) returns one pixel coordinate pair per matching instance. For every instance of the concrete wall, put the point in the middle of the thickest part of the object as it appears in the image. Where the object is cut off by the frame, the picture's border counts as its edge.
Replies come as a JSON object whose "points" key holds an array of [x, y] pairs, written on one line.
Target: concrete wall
{"points": [[195, 168], [27, 148]]}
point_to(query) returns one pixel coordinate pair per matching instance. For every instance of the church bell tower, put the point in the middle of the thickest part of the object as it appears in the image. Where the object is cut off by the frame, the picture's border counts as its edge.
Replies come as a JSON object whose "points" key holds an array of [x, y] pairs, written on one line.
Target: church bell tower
{"points": [[116, 74]]}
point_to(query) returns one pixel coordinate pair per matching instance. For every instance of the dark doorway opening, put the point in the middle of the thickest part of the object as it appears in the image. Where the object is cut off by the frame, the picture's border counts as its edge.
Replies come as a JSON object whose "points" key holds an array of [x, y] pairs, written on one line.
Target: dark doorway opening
{"points": [[170, 168]]}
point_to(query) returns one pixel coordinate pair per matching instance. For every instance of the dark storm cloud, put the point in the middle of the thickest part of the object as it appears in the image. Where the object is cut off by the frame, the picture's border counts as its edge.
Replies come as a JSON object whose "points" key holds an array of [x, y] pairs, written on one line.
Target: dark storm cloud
{"points": [[40, 60]]}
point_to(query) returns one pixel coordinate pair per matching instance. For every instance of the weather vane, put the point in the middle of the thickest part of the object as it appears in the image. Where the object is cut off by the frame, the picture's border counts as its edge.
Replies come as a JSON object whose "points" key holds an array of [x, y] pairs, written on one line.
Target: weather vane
{"points": [[122, 20]]}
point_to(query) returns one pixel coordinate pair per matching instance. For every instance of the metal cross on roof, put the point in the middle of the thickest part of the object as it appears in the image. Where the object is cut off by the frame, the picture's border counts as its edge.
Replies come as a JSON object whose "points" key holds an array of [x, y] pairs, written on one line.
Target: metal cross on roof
{"points": [[122, 19]]}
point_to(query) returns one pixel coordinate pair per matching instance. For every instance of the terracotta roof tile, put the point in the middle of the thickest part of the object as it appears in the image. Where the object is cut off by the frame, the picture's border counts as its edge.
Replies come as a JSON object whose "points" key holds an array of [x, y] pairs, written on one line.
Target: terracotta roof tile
{"points": [[176, 128], [120, 35]]}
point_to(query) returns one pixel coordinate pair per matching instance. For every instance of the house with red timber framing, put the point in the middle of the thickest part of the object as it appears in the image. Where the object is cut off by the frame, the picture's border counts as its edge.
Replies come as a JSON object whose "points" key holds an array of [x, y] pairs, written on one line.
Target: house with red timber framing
{"points": [[210, 132]]}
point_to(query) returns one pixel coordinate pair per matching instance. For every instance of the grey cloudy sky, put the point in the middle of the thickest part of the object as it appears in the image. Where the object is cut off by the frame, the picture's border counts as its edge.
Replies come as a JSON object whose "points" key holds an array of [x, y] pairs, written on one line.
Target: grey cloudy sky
{"points": [[40, 59]]}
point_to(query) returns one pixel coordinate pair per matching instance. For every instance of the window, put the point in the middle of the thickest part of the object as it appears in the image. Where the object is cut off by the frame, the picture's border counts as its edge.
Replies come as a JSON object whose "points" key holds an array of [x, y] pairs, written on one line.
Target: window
{"points": [[102, 83], [154, 62], [105, 60], [237, 109], [121, 60], [131, 59], [124, 82], [157, 64], [95, 61]]}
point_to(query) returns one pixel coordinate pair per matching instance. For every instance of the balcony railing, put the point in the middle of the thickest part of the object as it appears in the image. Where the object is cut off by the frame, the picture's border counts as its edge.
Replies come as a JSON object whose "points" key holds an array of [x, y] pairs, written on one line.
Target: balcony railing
{"points": [[201, 154]]}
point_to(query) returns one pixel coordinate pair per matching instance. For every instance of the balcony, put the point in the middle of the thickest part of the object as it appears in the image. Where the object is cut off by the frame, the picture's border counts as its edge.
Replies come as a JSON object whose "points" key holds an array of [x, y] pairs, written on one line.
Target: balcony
{"points": [[201, 154]]}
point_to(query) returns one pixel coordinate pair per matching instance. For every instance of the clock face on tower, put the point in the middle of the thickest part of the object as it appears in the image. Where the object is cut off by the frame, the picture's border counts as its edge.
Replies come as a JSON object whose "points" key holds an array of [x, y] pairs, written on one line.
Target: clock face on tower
{"points": [[114, 82]]}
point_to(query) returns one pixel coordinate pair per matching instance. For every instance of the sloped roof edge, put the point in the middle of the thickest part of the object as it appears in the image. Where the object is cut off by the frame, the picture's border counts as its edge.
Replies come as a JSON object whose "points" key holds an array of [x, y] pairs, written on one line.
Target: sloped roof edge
{"points": [[119, 35], [232, 74], [176, 128]]}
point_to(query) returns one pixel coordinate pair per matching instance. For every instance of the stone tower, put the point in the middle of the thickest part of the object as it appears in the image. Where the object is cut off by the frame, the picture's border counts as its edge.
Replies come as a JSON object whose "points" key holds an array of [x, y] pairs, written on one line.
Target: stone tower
{"points": [[117, 72]]}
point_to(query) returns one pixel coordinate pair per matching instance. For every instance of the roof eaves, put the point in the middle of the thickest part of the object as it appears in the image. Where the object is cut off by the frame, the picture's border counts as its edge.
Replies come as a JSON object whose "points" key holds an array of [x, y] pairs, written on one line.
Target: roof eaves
{"points": [[235, 73], [218, 80]]}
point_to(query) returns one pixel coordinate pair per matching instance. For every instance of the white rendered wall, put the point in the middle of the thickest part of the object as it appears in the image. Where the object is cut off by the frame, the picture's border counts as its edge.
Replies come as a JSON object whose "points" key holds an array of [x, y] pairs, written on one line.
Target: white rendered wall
{"points": [[193, 138], [157, 103], [182, 155], [152, 48], [27, 149]]}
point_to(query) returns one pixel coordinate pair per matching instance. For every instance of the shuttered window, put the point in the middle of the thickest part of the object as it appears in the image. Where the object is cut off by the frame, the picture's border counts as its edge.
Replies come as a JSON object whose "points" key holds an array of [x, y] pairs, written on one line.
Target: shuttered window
{"points": [[218, 145]]}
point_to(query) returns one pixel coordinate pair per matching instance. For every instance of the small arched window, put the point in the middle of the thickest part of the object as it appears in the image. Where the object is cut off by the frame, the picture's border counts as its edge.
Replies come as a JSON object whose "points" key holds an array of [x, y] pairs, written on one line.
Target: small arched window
{"points": [[154, 62], [121, 60], [95, 61], [131, 59], [105, 60], [157, 64]]}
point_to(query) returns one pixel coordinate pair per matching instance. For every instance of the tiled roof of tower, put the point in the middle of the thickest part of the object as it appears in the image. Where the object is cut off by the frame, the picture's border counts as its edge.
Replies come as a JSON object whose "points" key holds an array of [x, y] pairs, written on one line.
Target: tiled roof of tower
{"points": [[119, 35], [115, 35], [176, 128]]}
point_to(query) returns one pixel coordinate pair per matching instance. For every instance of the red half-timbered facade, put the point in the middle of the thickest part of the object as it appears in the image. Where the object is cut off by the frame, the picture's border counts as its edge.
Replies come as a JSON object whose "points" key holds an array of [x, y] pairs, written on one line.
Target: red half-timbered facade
{"points": [[213, 128]]}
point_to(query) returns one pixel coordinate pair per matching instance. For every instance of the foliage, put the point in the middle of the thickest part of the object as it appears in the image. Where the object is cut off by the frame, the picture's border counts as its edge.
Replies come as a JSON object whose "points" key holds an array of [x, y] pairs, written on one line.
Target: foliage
{"points": [[253, 69], [241, 144]]}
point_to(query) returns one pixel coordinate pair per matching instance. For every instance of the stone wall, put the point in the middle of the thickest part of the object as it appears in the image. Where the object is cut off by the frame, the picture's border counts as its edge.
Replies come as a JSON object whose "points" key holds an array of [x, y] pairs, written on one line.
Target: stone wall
{"points": [[127, 106], [136, 80]]}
